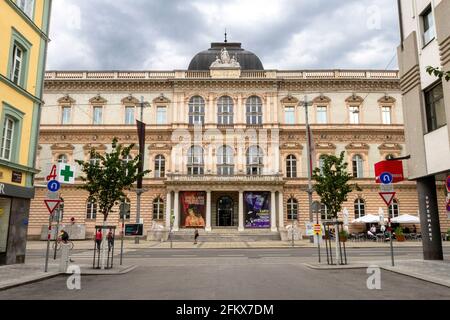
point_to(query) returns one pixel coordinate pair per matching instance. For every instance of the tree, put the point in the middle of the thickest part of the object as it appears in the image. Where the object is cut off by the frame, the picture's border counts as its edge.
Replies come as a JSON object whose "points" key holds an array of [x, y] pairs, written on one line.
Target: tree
{"points": [[438, 73], [332, 183], [106, 177]]}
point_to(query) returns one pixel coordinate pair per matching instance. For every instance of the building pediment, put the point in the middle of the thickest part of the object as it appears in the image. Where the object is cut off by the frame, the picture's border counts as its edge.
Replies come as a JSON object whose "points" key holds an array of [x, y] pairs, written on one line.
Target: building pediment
{"points": [[130, 100], [62, 147], [66, 100], [357, 146], [321, 99], [98, 99], [290, 100], [325, 146], [390, 147], [95, 146], [387, 99], [161, 99], [354, 99]]}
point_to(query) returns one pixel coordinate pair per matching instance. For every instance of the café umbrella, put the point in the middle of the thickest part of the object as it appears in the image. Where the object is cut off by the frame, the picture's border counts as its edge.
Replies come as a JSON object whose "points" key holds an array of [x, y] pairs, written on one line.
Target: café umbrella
{"points": [[370, 218], [406, 219]]}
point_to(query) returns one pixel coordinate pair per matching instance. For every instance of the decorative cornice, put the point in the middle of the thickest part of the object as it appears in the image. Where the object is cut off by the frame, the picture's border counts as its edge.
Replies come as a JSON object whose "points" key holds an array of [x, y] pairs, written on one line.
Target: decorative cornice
{"points": [[66, 100], [98, 99], [290, 100], [354, 99], [387, 99], [161, 99], [357, 146], [62, 147], [390, 147], [321, 99], [129, 100]]}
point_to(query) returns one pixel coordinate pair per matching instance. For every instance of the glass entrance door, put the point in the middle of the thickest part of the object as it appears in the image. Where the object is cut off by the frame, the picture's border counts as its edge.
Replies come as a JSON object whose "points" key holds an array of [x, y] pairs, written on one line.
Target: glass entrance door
{"points": [[225, 212]]}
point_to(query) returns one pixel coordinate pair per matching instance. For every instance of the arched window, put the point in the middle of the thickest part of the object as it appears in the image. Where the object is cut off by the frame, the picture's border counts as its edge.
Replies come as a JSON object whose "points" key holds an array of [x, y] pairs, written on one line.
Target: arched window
{"points": [[196, 110], [225, 111], [225, 161], [292, 209], [357, 164], [291, 166], [160, 166], [158, 209], [360, 208], [62, 158], [255, 160], [254, 110], [91, 210], [195, 160], [324, 215], [394, 209]]}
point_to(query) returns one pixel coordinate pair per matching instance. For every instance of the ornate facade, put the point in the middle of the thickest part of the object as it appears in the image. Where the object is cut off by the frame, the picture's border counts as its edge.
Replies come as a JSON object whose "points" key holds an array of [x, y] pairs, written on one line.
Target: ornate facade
{"points": [[226, 146]]}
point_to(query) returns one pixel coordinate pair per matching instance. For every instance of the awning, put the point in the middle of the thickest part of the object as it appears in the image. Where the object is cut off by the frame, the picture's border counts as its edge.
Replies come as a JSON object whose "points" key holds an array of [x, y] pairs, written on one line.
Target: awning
{"points": [[370, 218], [406, 218]]}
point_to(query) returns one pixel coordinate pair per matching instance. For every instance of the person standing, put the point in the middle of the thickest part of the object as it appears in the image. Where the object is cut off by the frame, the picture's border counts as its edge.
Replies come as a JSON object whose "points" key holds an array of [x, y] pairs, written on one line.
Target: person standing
{"points": [[98, 238], [110, 237], [195, 236]]}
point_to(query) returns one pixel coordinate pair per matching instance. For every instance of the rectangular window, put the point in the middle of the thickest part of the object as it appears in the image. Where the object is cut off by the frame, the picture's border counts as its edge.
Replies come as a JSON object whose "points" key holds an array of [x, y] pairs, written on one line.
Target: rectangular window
{"points": [[17, 63], [354, 114], [129, 115], [65, 118], [428, 26], [161, 115], [321, 114], [7, 138], [289, 115], [98, 112], [386, 114], [435, 108], [27, 6]]}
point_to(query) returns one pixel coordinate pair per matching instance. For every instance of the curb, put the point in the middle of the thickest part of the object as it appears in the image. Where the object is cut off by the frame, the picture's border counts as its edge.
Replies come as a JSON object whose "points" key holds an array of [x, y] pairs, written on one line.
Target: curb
{"points": [[91, 272], [33, 280]]}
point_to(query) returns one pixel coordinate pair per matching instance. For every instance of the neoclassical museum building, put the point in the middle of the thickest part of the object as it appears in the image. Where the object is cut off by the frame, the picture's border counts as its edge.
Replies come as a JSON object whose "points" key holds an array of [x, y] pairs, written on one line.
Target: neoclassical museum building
{"points": [[225, 141]]}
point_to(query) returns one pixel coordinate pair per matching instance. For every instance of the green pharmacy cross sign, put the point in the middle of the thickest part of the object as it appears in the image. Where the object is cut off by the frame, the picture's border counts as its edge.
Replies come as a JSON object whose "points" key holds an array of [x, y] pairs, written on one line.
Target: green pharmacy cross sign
{"points": [[66, 173]]}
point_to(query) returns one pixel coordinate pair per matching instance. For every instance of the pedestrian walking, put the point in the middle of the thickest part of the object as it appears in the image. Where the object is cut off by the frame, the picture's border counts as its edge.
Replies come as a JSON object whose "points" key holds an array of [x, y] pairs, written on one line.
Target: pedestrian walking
{"points": [[98, 238], [195, 236], [110, 237]]}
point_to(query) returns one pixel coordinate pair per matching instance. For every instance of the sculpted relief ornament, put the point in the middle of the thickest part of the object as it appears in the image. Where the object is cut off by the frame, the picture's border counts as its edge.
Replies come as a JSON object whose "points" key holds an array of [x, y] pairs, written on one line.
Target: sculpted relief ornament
{"points": [[225, 61]]}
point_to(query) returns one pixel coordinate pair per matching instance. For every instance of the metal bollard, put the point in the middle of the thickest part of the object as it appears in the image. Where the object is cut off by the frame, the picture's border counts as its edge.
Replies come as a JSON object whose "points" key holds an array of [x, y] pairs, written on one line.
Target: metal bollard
{"points": [[64, 260]]}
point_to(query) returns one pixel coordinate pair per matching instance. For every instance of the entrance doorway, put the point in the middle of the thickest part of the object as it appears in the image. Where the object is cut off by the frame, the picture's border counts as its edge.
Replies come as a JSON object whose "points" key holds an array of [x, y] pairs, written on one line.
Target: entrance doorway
{"points": [[225, 212]]}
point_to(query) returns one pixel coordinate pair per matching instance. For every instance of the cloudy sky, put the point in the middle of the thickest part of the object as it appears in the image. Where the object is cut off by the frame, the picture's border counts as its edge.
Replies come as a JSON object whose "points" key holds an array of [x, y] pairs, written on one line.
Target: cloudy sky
{"points": [[166, 34]]}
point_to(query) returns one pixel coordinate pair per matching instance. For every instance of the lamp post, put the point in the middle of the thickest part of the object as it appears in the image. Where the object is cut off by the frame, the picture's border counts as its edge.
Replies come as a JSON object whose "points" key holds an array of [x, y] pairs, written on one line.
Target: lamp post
{"points": [[308, 143]]}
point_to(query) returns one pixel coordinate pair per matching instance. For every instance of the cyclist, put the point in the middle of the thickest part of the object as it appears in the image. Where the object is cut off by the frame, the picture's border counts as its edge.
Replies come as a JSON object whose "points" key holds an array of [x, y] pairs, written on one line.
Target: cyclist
{"points": [[64, 236]]}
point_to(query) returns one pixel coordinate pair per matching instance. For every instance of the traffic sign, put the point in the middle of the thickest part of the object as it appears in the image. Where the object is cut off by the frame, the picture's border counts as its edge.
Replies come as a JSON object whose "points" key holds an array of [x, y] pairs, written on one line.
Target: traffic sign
{"points": [[387, 197], [386, 178], [52, 205], [395, 168], [53, 186], [317, 229], [66, 173]]}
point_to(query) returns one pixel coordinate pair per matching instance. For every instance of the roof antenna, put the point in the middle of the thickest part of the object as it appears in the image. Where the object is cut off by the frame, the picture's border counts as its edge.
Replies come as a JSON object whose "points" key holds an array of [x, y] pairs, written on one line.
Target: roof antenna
{"points": [[226, 36]]}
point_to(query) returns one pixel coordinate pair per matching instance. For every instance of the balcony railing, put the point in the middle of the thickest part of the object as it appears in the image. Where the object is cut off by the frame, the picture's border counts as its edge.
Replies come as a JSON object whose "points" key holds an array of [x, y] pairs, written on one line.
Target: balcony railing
{"points": [[183, 74]]}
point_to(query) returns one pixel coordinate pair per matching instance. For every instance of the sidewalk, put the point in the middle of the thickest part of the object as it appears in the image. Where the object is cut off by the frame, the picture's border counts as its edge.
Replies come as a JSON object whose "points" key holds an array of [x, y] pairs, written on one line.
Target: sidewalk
{"points": [[20, 274], [432, 271], [144, 244]]}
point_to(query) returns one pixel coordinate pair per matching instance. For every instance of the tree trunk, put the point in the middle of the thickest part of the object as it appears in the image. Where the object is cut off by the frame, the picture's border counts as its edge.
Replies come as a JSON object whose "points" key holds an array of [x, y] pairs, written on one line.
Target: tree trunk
{"points": [[104, 245]]}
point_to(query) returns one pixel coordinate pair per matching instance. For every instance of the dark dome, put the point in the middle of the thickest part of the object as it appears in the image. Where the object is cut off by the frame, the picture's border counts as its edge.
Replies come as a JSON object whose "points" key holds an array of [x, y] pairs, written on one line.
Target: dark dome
{"points": [[203, 60]]}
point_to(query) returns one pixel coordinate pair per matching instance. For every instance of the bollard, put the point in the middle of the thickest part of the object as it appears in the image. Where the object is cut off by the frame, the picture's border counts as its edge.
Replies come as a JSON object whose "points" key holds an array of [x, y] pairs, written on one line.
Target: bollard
{"points": [[64, 260]]}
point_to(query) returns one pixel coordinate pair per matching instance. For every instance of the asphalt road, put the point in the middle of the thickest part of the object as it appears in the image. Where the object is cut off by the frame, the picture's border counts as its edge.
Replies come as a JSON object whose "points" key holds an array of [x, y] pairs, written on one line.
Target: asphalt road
{"points": [[234, 274]]}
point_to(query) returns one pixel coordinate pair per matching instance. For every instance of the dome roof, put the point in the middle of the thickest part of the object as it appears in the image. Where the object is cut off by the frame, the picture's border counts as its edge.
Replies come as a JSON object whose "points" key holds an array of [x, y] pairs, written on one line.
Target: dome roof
{"points": [[203, 60]]}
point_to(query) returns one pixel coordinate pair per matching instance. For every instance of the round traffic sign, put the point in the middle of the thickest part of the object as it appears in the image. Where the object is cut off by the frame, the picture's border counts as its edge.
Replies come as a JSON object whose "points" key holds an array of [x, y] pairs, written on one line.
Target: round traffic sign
{"points": [[386, 178], [53, 186]]}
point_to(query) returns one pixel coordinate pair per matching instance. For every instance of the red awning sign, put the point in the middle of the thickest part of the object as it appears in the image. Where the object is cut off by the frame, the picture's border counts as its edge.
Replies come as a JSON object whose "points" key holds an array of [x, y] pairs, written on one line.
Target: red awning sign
{"points": [[51, 205], [394, 168], [387, 197]]}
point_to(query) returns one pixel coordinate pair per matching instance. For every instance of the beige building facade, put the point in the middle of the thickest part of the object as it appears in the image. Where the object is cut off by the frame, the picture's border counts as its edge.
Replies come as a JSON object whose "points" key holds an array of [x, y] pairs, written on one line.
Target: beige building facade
{"points": [[225, 140]]}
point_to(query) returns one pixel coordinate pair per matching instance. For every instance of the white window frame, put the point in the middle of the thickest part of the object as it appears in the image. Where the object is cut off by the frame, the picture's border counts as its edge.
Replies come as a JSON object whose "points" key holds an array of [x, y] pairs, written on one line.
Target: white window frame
{"points": [[358, 166], [289, 115], [26, 6], [91, 210], [354, 114], [195, 163], [8, 126], [386, 114], [322, 114], [255, 160], [225, 161], [429, 34], [291, 166], [159, 204], [292, 209], [196, 111], [17, 64], [359, 206], [161, 115], [130, 117], [66, 113], [160, 166], [63, 158], [254, 112], [94, 115]]}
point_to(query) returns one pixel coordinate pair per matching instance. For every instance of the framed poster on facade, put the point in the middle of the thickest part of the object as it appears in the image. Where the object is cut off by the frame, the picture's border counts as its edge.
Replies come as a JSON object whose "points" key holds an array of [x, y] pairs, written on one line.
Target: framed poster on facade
{"points": [[193, 209], [257, 209]]}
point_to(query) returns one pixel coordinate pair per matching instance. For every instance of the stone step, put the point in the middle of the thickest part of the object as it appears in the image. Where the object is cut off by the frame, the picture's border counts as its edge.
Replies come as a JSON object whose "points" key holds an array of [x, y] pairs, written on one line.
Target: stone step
{"points": [[224, 236]]}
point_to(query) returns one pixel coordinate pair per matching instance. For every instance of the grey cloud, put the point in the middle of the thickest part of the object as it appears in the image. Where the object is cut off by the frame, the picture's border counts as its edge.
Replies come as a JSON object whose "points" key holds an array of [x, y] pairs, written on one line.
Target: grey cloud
{"points": [[124, 34]]}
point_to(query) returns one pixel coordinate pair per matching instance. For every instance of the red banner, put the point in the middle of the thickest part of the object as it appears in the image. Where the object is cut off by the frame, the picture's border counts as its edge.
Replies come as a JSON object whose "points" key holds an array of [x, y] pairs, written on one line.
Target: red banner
{"points": [[395, 168]]}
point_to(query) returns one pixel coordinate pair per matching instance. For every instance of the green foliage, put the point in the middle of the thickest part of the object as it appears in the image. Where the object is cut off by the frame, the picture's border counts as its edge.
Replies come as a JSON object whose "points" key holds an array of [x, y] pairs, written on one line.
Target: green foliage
{"points": [[108, 178], [332, 183], [398, 231], [438, 73], [343, 234]]}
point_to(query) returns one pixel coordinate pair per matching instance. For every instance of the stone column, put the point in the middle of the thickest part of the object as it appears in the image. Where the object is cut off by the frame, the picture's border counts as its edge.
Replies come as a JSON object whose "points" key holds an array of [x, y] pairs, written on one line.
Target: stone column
{"points": [[280, 210], [168, 208], [176, 211], [238, 110], [241, 211], [429, 219], [208, 211], [273, 216]]}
